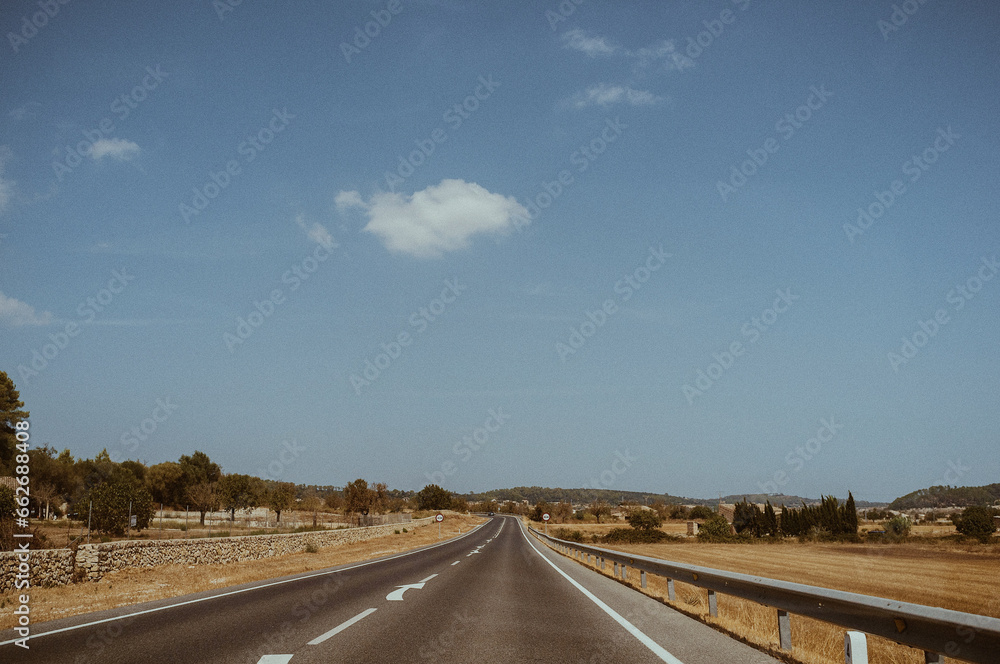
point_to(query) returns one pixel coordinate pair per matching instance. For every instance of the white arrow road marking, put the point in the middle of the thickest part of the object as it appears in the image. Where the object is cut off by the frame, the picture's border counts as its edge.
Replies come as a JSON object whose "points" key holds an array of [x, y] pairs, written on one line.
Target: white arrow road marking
{"points": [[397, 594], [275, 659], [336, 630]]}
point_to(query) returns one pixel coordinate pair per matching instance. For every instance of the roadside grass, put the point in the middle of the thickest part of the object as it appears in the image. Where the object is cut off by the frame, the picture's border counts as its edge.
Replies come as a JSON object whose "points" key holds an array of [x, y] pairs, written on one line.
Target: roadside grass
{"points": [[141, 585], [934, 572]]}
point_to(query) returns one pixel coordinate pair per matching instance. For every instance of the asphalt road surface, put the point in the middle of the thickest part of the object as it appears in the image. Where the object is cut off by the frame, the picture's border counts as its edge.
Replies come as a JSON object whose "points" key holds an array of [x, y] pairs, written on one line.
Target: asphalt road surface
{"points": [[495, 594]]}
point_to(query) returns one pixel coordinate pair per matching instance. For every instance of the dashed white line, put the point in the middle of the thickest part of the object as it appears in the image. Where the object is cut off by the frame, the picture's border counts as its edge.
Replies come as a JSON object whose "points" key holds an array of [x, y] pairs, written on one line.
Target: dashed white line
{"points": [[275, 659], [455, 563], [242, 590], [333, 632], [657, 649]]}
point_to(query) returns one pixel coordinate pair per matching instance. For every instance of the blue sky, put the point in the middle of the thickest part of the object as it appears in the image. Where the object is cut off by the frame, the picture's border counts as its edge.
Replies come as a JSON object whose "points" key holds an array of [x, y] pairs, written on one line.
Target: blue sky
{"points": [[510, 244]]}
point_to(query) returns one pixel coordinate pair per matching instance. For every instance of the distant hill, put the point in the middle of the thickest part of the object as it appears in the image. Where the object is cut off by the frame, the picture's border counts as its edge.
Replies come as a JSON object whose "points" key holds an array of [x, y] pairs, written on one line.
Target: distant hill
{"points": [[948, 496], [534, 494]]}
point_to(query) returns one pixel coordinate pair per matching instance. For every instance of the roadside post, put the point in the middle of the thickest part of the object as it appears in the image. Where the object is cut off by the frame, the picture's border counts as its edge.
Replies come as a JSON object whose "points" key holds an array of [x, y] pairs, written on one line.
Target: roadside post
{"points": [[439, 518], [545, 518]]}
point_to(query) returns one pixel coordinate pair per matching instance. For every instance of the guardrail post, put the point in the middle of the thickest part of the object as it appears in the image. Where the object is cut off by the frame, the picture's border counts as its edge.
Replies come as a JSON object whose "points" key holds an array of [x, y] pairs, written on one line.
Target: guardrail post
{"points": [[642, 577], [785, 631], [624, 573], [713, 605], [602, 562], [616, 569], [931, 657], [855, 648], [671, 595]]}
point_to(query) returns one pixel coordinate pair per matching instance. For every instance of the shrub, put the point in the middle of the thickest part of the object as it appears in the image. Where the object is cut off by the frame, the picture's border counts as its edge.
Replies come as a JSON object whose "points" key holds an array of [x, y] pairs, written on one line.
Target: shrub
{"points": [[633, 536], [645, 520], [898, 526], [976, 522], [700, 512], [715, 528], [311, 547], [569, 535]]}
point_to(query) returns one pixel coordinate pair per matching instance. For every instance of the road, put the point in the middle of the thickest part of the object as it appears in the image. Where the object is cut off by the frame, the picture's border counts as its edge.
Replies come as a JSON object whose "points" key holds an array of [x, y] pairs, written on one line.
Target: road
{"points": [[495, 594]]}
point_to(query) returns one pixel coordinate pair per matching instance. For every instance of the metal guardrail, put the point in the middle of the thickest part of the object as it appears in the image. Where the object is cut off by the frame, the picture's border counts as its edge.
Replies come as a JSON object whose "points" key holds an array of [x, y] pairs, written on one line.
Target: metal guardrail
{"points": [[954, 634]]}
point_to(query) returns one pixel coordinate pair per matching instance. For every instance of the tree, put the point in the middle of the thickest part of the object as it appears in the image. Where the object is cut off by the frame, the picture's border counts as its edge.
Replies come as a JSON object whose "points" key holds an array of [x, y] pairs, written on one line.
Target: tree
{"points": [[44, 493], [204, 498], [239, 492], [358, 497], [10, 414], [850, 515], [280, 496], [433, 497], [312, 503], [769, 520], [898, 526], [600, 508], [165, 482], [333, 499], [198, 469], [977, 521], [112, 499], [645, 520]]}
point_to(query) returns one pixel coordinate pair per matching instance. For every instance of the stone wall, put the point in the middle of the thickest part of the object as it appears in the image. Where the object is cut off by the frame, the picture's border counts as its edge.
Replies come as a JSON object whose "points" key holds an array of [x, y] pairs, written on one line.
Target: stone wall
{"points": [[93, 561], [46, 567]]}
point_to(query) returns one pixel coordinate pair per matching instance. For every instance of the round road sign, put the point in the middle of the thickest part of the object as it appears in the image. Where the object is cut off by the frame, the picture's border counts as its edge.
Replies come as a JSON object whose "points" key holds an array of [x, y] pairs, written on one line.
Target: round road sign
{"points": [[545, 517], [439, 518]]}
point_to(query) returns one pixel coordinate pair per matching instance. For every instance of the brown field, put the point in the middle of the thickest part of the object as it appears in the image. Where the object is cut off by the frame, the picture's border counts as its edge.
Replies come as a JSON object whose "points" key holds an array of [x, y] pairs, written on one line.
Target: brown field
{"points": [[927, 570], [141, 585]]}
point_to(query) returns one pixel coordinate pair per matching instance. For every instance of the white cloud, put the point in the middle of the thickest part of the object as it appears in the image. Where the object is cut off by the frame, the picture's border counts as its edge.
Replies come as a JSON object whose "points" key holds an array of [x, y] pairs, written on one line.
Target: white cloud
{"points": [[118, 148], [440, 218], [348, 199], [317, 233], [664, 53], [578, 40], [14, 313], [604, 94]]}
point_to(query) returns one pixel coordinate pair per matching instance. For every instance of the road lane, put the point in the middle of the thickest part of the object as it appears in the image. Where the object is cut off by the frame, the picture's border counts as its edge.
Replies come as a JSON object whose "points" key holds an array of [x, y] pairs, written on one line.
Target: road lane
{"points": [[495, 594]]}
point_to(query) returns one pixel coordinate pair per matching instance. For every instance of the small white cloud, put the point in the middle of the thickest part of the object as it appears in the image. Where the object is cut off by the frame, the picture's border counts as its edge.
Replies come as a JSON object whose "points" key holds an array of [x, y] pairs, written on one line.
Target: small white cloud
{"points": [[604, 94], [317, 233], [440, 218], [348, 199], [664, 53], [21, 112], [14, 313], [118, 148], [578, 40]]}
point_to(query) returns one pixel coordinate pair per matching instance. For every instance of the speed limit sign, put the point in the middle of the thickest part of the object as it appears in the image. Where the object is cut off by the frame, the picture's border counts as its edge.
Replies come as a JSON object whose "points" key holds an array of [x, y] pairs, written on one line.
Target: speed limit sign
{"points": [[439, 518], [545, 517]]}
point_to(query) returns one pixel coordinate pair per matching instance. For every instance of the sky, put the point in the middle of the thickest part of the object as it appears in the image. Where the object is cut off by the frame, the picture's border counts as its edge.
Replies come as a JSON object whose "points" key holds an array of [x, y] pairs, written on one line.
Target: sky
{"points": [[694, 248]]}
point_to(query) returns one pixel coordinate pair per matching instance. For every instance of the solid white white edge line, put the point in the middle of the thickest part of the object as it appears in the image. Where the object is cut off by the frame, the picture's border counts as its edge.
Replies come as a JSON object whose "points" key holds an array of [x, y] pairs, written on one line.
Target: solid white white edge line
{"points": [[243, 590], [618, 618], [275, 659], [341, 627]]}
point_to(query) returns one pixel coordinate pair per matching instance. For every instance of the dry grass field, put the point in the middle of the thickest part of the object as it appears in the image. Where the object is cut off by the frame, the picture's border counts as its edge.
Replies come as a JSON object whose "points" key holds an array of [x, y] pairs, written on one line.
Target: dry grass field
{"points": [[141, 585], [929, 571]]}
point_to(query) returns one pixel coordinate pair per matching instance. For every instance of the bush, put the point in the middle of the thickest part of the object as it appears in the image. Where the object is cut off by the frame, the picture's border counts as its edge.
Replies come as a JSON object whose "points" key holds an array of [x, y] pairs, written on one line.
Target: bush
{"points": [[645, 520], [715, 528], [898, 526], [311, 547], [977, 522], [569, 535], [633, 536], [700, 512]]}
